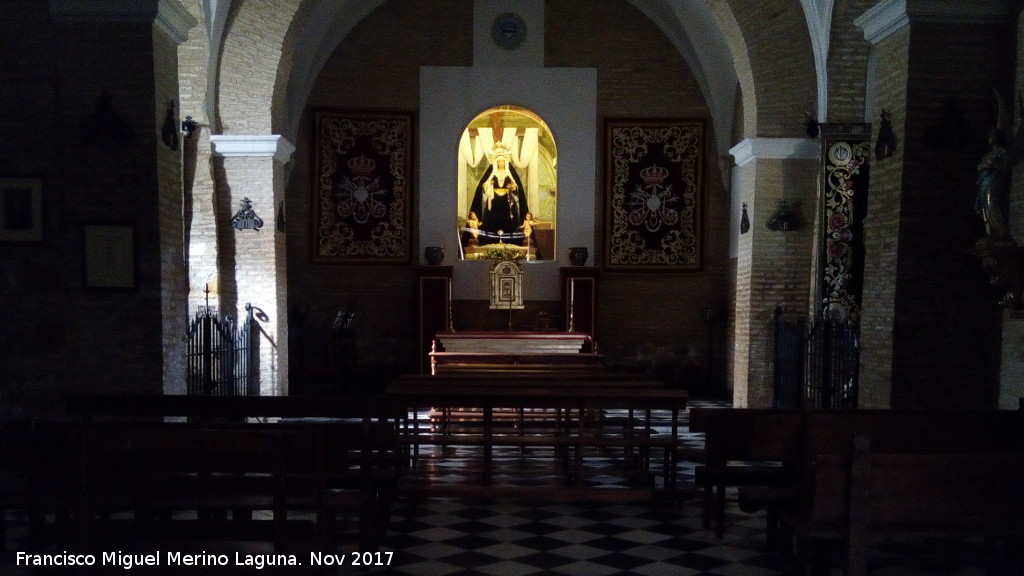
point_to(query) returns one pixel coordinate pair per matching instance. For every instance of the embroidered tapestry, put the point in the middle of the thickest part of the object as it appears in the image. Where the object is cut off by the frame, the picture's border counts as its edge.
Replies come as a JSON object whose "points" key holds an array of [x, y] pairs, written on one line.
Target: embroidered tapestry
{"points": [[654, 195], [361, 187], [847, 155]]}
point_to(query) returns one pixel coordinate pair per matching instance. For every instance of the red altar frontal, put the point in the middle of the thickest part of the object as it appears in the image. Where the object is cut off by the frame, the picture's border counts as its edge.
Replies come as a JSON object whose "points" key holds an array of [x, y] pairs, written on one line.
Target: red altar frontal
{"points": [[475, 351]]}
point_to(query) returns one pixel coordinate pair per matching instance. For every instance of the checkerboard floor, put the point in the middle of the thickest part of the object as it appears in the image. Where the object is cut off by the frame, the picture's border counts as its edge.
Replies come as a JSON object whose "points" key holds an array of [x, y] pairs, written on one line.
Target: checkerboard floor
{"points": [[461, 536]]}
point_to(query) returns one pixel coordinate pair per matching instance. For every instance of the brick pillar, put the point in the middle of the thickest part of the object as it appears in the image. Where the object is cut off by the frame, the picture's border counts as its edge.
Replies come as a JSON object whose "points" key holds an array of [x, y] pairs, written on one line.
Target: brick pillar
{"points": [[107, 73], [929, 332], [1011, 385], [253, 262], [771, 266]]}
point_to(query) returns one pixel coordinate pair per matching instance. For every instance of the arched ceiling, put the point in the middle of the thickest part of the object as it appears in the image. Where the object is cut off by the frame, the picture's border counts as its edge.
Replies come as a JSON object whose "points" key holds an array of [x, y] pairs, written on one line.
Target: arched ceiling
{"points": [[689, 24]]}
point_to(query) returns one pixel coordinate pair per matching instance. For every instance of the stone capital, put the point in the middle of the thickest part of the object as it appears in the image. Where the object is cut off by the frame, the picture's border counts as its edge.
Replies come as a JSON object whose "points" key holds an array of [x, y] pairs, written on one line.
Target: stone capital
{"points": [[254, 146], [751, 149], [889, 16]]}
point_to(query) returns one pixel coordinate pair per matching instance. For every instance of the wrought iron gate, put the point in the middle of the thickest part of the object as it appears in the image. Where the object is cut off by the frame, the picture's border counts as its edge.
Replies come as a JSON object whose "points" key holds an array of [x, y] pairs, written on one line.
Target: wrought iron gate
{"points": [[222, 358], [816, 364]]}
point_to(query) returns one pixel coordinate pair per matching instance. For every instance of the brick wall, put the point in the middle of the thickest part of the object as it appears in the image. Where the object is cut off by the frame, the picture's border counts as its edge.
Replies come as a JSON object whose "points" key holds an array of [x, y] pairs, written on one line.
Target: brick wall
{"points": [[847, 62], [929, 331], [58, 334], [1012, 368], [950, 358], [881, 230], [930, 327], [778, 45], [173, 273], [33, 309], [374, 69], [772, 270]]}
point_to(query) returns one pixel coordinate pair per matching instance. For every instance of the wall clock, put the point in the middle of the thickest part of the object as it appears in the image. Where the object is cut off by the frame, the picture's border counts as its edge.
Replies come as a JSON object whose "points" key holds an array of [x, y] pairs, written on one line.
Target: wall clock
{"points": [[508, 31]]}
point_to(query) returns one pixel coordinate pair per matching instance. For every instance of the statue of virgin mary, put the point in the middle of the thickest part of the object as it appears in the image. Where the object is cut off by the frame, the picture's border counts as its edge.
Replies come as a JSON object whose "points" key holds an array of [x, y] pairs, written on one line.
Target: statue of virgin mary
{"points": [[500, 200]]}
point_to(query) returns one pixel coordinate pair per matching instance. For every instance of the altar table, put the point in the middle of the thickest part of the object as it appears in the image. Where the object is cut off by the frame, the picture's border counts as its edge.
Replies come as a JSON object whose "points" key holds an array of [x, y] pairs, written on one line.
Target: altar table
{"points": [[454, 352]]}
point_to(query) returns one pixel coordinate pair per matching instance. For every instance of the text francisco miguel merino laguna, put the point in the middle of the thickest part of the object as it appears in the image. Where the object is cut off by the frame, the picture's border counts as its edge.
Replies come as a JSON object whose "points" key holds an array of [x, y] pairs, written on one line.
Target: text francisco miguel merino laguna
{"points": [[256, 561]]}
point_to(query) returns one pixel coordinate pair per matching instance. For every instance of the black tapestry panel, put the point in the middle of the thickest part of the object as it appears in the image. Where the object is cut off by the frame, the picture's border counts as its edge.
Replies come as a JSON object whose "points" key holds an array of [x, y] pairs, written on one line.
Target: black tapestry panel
{"points": [[362, 191], [654, 195]]}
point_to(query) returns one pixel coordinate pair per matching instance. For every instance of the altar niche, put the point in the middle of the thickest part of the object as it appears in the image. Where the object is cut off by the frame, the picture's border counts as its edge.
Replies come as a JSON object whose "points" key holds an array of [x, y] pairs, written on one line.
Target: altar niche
{"points": [[507, 186]]}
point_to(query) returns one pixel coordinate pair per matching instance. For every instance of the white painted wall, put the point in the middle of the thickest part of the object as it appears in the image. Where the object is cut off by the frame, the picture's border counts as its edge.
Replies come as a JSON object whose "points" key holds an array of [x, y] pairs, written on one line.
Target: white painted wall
{"points": [[450, 97]]}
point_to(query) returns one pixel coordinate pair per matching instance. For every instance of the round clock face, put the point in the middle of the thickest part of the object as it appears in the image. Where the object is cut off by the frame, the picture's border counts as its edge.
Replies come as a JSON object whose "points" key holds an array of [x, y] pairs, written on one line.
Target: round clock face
{"points": [[508, 31]]}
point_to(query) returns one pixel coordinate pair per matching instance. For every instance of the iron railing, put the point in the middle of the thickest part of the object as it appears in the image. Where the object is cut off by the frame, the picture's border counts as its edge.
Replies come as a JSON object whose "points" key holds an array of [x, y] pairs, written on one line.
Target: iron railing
{"points": [[816, 364], [221, 358]]}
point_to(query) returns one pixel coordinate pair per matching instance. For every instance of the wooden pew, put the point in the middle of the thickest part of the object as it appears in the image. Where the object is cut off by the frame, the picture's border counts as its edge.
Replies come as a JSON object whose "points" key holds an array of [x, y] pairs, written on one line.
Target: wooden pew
{"points": [[90, 407], [38, 461], [738, 438], [136, 482], [344, 468], [920, 431], [570, 401], [825, 434], [446, 363], [340, 454], [743, 447], [537, 352], [862, 494]]}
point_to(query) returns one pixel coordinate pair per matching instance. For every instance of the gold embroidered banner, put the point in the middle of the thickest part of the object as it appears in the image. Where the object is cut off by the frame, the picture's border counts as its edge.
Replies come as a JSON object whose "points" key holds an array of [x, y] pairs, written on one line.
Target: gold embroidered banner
{"points": [[361, 186], [654, 195]]}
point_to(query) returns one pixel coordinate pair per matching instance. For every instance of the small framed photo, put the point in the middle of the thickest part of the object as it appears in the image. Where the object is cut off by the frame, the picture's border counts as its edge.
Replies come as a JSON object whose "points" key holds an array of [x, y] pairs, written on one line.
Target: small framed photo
{"points": [[109, 256], [21, 210]]}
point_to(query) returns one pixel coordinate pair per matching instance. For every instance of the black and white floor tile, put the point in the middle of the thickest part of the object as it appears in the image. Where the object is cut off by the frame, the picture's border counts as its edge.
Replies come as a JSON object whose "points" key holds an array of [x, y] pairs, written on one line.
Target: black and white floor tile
{"points": [[495, 536]]}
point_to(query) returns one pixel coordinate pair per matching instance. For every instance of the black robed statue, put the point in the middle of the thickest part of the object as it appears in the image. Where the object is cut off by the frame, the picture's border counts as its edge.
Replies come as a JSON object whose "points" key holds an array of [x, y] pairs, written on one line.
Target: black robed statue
{"points": [[500, 201]]}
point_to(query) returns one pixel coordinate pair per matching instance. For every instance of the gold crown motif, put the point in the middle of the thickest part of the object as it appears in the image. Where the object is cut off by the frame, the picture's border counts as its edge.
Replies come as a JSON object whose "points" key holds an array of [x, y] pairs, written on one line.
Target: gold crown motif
{"points": [[361, 166], [654, 174]]}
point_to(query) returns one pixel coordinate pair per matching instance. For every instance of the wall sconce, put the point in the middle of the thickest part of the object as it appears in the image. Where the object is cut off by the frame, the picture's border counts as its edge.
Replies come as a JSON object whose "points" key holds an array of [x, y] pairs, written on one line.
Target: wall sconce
{"points": [[784, 220], [188, 126], [744, 220], [885, 146], [167, 133], [811, 125]]}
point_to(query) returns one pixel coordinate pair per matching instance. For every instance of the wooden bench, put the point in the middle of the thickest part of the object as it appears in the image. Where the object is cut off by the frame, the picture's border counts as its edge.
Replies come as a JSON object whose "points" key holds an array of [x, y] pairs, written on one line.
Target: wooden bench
{"points": [[571, 403], [38, 462], [740, 441], [483, 352], [138, 483], [337, 454], [862, 494], [200, 409], [445, 363], [743, 447]]}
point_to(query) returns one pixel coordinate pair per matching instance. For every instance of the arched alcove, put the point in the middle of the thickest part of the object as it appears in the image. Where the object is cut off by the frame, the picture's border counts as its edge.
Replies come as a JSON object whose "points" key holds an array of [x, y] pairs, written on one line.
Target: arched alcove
{"points": [[566, 100], [507, 185]]}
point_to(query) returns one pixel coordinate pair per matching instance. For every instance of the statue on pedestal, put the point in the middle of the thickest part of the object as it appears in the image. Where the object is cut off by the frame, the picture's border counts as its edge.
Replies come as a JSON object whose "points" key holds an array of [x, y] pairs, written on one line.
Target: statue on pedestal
{"points": [[994, 180]]}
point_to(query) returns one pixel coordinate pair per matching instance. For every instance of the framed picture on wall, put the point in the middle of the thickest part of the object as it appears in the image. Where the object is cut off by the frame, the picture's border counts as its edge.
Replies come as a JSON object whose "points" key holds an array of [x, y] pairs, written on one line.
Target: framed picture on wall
{"points": [[109, 256], [21, 209], [362, 187], [654, 195]]}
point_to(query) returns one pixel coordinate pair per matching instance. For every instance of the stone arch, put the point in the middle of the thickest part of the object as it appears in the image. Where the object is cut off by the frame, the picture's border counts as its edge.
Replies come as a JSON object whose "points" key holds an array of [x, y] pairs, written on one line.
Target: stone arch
{"points": [[774, 95], [265, 69], [740, 57], [255, 53]]}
